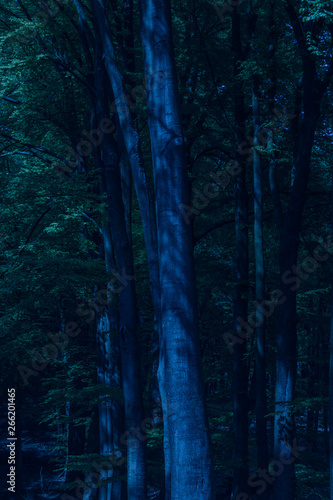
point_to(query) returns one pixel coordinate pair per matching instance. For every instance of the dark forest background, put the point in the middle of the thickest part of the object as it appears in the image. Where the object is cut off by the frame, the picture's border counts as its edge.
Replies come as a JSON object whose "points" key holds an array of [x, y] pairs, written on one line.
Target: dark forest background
{"points": [[166, 248]]}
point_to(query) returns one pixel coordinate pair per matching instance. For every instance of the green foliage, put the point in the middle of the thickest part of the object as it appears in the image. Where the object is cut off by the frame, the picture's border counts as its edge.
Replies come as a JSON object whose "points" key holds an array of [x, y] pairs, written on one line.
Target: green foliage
{"points": [[50, 245]]}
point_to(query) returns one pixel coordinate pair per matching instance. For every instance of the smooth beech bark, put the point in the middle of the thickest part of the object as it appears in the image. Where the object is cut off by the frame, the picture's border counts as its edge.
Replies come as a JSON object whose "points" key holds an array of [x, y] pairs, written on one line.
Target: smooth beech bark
{"points": [[110, 415], [185, 416], [132, 144], [130, 355], [109, 375]]}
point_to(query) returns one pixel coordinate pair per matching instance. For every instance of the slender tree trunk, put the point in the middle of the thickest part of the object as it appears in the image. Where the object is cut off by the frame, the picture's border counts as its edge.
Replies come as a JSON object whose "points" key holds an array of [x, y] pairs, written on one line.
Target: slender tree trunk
{"points": [[107, 339], [273, 39], [109, 376], [132, 145], [286, 363], [185, 420], [130, 356], [126, 189], [240, 370], [261, 430], [75, 445], [76, 432], [110, 415]]}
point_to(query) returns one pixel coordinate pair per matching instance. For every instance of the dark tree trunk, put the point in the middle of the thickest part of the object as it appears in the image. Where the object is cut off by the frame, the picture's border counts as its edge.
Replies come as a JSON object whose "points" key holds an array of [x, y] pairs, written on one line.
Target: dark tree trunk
{"points": [[132, 145], [287, 332], [273, 39], [110, 415], [76, 439], [240, 370], [286, 363], [261, 430], [75, 446], [130, 356], [180, 366]]}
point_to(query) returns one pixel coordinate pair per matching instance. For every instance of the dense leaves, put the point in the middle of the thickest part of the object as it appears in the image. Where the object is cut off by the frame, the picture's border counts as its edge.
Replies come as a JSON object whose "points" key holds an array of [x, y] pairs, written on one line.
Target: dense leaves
{"points": [[53, 217]]}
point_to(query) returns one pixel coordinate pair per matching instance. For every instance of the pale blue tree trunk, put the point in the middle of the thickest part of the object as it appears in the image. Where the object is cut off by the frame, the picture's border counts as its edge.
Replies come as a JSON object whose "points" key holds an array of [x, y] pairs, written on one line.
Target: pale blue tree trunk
{"points": [[187, 439]]}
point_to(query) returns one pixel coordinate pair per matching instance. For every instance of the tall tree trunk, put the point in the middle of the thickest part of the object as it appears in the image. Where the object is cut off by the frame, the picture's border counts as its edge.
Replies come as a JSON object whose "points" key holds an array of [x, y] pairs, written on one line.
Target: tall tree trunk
{"points": [[261, 430], [130, 356], [109, 375], [186, 420], [132, 145], [107, 338], [286, 362], [110, 415], [273, 39], [75, 444], [240, 371]]}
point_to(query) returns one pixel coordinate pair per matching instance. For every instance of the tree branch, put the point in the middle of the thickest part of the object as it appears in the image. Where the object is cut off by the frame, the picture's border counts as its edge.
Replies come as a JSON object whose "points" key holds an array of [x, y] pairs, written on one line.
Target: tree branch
{"points": [[32, 153], [24, 9], [93, 221], [209, 230], [298, 29], [29, 237], [9, 99]]}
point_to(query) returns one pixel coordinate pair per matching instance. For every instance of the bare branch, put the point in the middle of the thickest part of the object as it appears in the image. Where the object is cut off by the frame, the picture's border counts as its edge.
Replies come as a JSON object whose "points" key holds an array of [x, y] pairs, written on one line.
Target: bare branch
{"points": [[9, 99]]}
